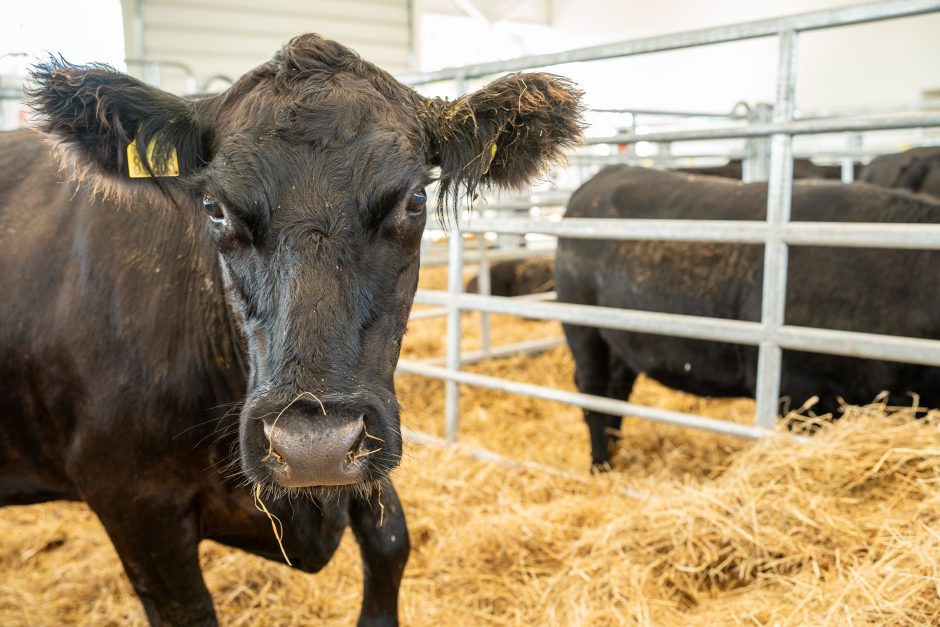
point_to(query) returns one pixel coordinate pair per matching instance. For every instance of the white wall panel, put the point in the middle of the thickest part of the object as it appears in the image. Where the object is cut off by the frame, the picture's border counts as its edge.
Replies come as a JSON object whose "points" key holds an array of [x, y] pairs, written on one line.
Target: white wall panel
{"points": [[162, 41], [232, 36], [382, 10], [207, 21]]}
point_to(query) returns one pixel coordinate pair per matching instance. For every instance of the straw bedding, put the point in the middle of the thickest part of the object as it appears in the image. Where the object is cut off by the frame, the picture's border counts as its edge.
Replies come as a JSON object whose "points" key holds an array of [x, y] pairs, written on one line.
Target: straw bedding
{"points": [[692, 529]]}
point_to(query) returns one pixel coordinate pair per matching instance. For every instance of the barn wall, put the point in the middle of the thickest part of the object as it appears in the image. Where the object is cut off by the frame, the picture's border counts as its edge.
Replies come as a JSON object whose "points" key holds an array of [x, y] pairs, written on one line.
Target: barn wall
{"points": [[230, 37]]}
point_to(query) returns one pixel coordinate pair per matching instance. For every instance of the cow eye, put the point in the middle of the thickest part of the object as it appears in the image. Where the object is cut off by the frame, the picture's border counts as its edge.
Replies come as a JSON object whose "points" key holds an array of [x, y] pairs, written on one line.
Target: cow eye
{"points": [[213, 208], [417, 201]]}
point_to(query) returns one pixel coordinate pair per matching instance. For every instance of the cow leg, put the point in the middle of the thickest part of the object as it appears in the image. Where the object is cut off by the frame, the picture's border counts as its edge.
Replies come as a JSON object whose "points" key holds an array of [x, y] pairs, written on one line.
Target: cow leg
{"points": [[593, 376], [312, 529], [157, 539], [619, 386], [383, 541]]}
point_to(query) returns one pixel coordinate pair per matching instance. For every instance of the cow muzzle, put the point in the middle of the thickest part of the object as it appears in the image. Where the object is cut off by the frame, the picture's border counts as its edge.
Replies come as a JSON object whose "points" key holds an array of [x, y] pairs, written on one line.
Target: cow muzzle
{"points": [[329, 450]]}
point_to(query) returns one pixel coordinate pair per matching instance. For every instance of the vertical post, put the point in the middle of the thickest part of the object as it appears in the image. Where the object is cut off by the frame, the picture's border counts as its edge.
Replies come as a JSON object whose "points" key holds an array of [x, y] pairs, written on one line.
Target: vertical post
{"points": [[507, 241], [756, 164], [426, 243], [853, 143], [630, 152], [414, 35], [779, 190], [460, 85], [485, 289], [134, 47], [454, 287], [664, 152], [152, 74], [192, 87]]}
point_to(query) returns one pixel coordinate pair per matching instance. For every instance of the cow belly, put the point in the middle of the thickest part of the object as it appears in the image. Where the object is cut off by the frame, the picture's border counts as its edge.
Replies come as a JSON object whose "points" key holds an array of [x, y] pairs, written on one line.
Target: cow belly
{"points": [[693, 366]]}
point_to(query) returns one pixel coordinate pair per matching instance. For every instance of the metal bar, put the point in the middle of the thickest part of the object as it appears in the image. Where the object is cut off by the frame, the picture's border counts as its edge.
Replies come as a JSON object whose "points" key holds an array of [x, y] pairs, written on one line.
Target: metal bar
{"points": [[191, 84], [920, 105], [725, 157], [732, 231], [861, 345], [481, 454], [587, 401], [518, 204], [216, 77], [427, 314], [851, 343], [455, 288], [433, 260], [779, 191], [531, 347], [678, 114], [715, 329], [800, 127], [483, 285], [540, 296], [440, 312], [837, 234], [829, 18], [526, 203]]}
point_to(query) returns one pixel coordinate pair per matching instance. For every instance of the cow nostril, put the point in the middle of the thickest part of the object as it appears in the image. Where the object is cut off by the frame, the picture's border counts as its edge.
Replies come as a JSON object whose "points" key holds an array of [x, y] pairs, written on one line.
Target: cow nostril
{"points": [[358, 448], [272, 451]]}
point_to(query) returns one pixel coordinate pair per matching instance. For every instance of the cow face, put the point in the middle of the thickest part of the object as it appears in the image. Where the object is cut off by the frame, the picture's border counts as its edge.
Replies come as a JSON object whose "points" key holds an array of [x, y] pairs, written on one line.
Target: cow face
{"points": [[309, 174]]}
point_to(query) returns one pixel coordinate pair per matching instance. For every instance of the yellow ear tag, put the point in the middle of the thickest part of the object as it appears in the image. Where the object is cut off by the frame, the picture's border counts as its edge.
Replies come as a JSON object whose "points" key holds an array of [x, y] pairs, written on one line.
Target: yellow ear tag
{"points": [[492, 156], [135, 166]]}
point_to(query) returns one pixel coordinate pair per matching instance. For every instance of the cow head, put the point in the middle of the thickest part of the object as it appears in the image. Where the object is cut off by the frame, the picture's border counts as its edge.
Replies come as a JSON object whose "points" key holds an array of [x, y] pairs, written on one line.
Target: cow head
{"points": [[309, 174]]}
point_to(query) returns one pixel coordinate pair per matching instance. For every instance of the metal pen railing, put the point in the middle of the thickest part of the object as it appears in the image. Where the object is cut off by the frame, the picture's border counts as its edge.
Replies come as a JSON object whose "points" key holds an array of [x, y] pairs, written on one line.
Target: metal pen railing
{"points": [[153, 71], [802, 22], [771, 335]]}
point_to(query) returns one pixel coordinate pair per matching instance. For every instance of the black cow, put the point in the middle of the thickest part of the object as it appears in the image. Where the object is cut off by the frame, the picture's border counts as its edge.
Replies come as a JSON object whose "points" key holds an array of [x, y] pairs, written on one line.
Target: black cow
{"points": [[877, 291], [518, 277], [175, 347], [802, 169], [917, 170]]}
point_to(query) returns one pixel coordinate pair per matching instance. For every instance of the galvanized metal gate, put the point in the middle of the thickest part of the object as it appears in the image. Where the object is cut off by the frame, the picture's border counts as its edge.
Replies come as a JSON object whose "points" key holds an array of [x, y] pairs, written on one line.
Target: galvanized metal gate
{"points": [[776, 233]]}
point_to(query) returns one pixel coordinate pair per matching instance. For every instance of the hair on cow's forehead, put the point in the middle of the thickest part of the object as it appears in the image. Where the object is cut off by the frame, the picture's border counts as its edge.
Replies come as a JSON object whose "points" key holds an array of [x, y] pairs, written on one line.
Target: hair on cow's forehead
{"points": [[318, 91], [316, 124], [261, 175], [318, 119]]}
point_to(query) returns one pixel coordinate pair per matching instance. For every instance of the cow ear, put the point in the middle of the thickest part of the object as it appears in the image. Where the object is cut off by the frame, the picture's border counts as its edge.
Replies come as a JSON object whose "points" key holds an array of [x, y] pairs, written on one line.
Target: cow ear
{"points": [[95, 113], [504, 134]]}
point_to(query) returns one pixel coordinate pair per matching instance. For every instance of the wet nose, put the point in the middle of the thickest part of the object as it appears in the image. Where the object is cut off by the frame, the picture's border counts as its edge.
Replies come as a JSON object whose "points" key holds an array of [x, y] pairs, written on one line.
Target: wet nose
{"points": [[317, 450]]}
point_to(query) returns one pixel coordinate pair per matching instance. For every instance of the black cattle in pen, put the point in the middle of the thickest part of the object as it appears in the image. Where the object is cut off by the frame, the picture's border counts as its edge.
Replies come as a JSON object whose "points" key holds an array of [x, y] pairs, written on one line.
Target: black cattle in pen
{"points": [[802, 169], [518, 277], [203, 302], [917, 170], [893, 292]]}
